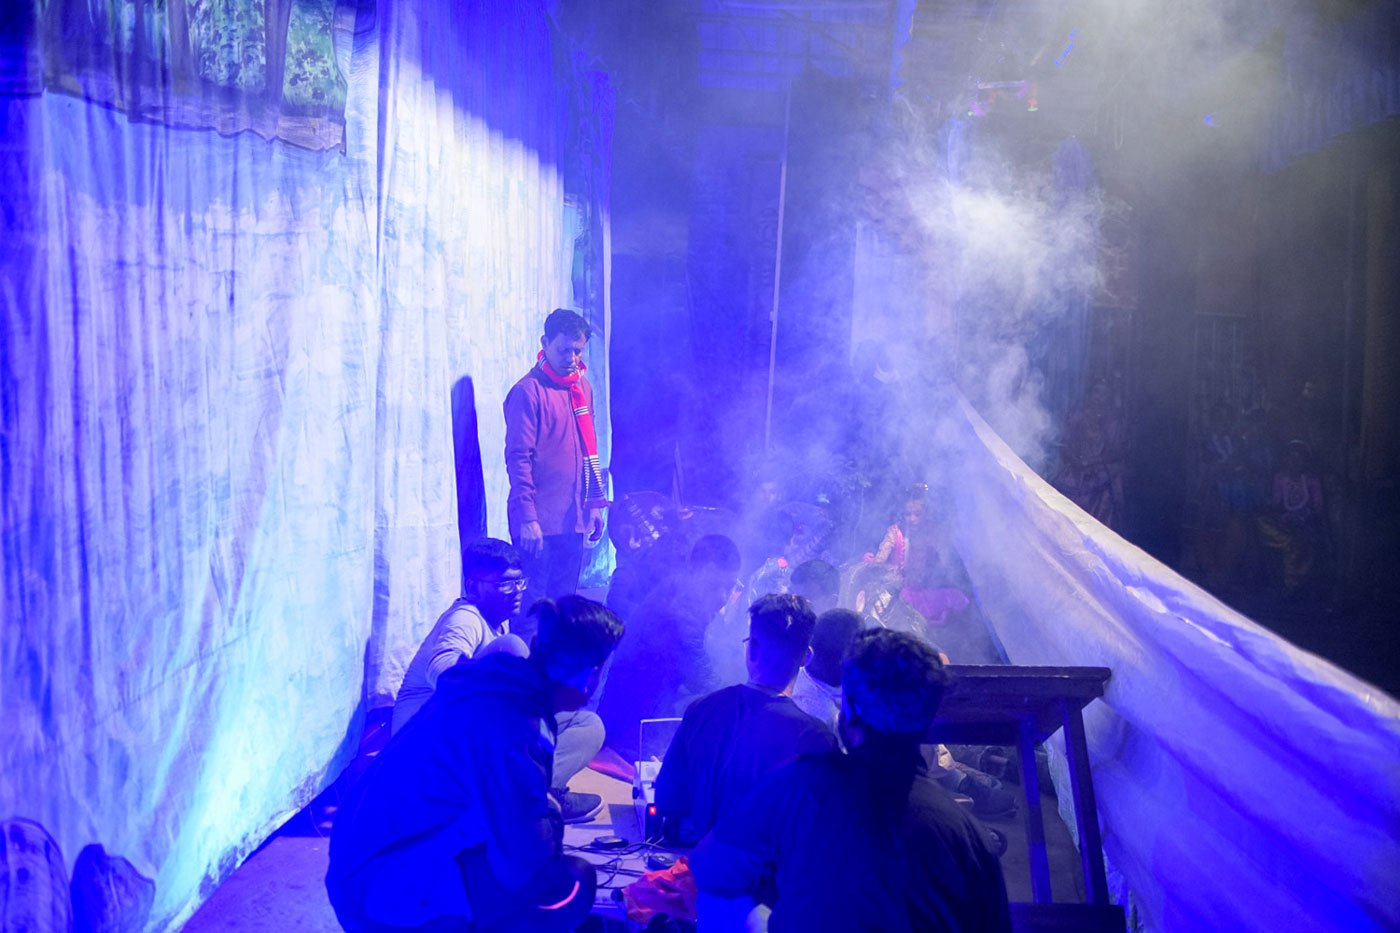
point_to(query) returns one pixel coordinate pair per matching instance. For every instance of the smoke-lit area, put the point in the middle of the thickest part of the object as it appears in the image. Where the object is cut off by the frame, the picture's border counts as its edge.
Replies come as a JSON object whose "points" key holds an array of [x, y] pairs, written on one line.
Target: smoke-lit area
{"points": [[1065, 214], [1054, 334], [1015, 249]]}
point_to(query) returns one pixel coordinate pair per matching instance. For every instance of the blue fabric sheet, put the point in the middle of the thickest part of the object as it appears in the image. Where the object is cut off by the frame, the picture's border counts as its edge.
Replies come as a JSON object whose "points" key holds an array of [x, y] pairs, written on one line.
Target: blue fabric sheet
{"points": [[1243, 784]]}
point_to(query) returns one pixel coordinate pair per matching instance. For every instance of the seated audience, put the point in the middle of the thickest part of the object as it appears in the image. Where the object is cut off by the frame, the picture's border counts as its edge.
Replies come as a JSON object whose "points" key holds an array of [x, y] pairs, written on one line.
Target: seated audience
{"points": [[918, 568], [662, 666], [492, 585], [773, 569], [731, 738], [817, 690], [818, 693], [452, 826], [478, 622], [864, 840]]}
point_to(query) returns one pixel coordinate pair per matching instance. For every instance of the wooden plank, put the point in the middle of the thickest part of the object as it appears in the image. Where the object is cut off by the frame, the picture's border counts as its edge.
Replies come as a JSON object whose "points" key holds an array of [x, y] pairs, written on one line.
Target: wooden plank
{"points": [[1067, 918]]}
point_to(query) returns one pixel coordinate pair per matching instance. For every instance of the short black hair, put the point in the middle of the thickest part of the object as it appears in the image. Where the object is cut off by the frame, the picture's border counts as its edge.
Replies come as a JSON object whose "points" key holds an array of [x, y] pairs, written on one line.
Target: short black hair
{"points": [[575, 634], [816, 577], [785, 621], [716, 551], [489, 557], [775, 529], [831, 639], [564, 321], [893, 682]]}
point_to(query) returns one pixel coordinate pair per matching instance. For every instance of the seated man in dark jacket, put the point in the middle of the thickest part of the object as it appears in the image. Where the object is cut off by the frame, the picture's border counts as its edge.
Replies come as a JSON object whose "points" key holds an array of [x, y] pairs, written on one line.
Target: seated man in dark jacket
{"points": [[736, 735], [863, 840], [452, 826], [662, 667]]}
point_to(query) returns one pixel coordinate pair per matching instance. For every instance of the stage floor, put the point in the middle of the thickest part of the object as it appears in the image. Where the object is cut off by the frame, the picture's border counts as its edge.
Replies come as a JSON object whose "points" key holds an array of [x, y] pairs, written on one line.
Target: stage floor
{"points": [[281, 887]]}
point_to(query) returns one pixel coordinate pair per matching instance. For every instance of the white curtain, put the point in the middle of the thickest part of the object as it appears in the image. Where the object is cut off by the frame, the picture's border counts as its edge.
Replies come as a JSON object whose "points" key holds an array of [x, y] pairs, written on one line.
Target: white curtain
{"points": [[226, 456], [1242, 783]]}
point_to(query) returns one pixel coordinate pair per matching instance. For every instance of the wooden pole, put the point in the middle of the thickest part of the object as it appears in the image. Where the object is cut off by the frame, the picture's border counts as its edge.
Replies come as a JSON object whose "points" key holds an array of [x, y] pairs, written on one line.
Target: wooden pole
{"points": [[777, 272]]}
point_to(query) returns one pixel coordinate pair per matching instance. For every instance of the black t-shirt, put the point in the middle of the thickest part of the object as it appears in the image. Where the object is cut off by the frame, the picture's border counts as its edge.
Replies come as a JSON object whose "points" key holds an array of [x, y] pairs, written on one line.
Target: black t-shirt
{"points": [[726, 742], [658, 668], [852, 852]]}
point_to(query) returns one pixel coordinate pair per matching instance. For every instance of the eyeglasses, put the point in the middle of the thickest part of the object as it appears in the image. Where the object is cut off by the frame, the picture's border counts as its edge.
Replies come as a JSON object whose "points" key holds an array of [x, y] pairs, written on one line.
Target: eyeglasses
{"points": [[517, 585]]}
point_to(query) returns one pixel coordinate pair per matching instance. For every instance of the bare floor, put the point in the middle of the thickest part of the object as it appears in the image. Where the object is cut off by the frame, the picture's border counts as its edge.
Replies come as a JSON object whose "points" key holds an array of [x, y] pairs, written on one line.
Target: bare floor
{"points": [[281, 887]]}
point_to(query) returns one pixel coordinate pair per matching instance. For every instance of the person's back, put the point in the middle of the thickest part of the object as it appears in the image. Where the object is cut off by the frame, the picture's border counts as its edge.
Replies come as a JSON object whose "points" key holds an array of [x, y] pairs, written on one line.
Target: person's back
{"points": [[453, 822], [817, 690], [865, 840], [726, 743], [476, 745], [860, 854]]}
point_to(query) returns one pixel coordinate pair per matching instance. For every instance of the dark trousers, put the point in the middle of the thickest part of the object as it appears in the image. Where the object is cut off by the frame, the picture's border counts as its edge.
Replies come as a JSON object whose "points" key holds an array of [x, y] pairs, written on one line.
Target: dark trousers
{"points": [[552, 573]]}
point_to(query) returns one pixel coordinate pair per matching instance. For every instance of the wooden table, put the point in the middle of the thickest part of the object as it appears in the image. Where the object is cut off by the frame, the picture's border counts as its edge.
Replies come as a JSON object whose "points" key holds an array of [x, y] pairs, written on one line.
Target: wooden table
{"points": [[1023, 706]]}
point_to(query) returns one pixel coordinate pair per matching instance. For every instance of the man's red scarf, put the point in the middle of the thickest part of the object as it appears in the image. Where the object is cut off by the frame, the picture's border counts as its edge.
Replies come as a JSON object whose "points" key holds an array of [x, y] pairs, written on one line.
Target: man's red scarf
{"points": [[594, 495]]}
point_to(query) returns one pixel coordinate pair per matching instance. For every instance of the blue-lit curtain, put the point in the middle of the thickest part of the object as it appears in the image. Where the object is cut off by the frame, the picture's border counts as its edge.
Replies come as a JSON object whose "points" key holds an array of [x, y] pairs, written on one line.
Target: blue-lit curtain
{"points": [[1242, 783], [270, 66], [1061, 348], [226, 446]]}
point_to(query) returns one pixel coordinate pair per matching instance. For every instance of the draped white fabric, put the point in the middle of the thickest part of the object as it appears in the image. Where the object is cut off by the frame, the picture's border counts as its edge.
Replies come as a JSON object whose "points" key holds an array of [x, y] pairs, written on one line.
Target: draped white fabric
{"points": [[226, 369], [1243, 784]]}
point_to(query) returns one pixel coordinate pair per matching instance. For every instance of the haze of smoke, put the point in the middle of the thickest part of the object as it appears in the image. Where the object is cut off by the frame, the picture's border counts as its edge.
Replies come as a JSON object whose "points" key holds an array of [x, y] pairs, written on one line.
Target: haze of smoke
{"points": [[1012, 252]]}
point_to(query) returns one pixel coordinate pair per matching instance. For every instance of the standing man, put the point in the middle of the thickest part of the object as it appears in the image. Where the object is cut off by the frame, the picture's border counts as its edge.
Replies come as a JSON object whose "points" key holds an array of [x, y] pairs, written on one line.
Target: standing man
{"points": [[556, 482]]}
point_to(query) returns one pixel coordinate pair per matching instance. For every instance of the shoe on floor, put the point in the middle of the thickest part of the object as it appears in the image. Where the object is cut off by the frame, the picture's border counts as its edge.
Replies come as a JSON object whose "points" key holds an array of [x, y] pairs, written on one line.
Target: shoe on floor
{"points": [[990, 799], [578, 808]]}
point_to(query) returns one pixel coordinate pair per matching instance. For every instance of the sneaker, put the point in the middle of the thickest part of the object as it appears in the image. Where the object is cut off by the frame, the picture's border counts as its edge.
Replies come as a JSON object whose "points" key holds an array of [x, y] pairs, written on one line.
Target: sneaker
{"points": [[996, 764], [578, 808], [989, 798]]}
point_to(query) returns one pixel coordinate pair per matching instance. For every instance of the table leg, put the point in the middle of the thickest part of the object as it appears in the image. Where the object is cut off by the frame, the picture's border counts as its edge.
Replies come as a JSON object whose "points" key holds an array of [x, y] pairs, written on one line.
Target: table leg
{"points": [[1086, 814], [1035, 820]]}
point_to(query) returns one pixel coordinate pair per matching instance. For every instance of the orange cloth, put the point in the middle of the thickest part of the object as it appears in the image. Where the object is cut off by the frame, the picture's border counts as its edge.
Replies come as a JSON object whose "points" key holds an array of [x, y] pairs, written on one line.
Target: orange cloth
{"points": [[670, 891]]}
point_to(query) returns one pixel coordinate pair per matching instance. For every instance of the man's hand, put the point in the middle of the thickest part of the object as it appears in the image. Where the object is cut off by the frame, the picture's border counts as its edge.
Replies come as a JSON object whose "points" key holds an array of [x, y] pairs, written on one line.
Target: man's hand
{"points": [[531, 539], [595, 528]]}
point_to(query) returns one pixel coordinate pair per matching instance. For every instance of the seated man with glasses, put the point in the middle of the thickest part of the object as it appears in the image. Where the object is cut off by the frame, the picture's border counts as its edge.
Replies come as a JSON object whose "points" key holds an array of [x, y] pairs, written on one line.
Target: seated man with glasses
{"points": [[477, 623]]}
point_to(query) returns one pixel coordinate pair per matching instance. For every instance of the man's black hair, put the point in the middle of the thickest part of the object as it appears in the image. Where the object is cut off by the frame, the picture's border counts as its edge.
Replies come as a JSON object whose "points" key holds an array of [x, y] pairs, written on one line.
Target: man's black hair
{"points": [[489, 557], [775, 530], [893, 683], [564, 321], [716, 551], [784, 620], [816, 577], [832, 638], [575, 634]]}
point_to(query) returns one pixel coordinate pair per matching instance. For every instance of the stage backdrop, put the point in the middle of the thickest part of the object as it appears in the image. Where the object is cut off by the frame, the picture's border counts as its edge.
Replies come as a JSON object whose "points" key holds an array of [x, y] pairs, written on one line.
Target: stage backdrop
{"points": [[227, 367], [1242, 783]]}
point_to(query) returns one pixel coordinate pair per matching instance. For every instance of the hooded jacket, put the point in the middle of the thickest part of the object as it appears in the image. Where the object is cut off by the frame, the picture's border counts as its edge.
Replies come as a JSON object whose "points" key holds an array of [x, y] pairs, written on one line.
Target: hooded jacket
{"points": [[471, 769]]}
